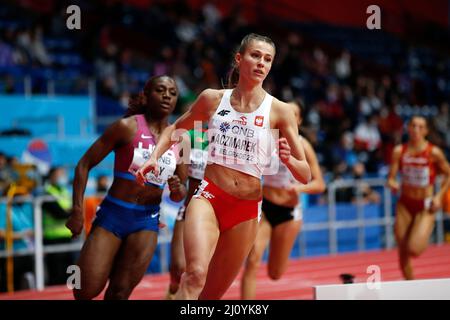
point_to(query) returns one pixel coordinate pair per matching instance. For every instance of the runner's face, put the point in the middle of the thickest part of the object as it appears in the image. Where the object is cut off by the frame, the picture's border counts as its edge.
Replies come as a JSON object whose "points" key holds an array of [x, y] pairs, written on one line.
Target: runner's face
{"points": [[255, 63], [417, 129], [163, 96]]}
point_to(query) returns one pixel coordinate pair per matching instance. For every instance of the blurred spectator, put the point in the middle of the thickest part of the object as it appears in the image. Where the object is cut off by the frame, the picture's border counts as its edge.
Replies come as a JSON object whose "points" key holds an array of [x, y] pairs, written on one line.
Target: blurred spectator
{"points": [[344, 152], [313, 118], [333, 107], [391, 130], [10, 55], [55, 214], [320, 62], [442, 123], [186, 29], [6, 55], [31, 42], [370, 102], [38, 50], [348, 103], [367, 135], [107, 61], [368, 143], [165, 62], [7, 174], [22, 223], [27, 175], [366, 193], [342, 66], [211, 14]]}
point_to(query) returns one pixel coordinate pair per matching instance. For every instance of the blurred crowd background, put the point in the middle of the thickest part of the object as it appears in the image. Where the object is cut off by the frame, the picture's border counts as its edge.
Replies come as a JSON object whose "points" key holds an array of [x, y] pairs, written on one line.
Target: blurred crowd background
{"points": [[358, 86]]}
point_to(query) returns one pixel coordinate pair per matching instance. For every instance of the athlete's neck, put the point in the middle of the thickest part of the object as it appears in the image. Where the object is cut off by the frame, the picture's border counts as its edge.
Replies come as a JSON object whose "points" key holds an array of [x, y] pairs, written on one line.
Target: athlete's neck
{"points": [[156, 125], [248, 95], [417, 144]]}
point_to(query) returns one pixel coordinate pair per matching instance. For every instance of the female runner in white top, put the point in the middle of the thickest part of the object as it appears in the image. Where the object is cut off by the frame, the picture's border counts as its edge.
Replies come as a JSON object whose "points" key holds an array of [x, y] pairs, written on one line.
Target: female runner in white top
{"points": [[222, 219]]}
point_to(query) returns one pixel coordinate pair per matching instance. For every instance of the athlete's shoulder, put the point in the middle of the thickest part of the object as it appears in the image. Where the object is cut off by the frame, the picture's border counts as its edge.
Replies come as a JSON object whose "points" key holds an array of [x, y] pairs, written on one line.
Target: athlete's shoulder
{"points": [[123, 124], [436, 151], [278, 104], [433, 147], [123, 128], [128, 121], [398, 149], [280, 109], [212, 95], [207, 101], [281, 112]]}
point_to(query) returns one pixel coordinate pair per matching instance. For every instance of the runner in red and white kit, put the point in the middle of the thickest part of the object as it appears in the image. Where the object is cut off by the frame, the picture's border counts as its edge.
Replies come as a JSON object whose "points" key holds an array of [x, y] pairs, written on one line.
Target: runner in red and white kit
{"points": [[222, 218], [418, 162]]}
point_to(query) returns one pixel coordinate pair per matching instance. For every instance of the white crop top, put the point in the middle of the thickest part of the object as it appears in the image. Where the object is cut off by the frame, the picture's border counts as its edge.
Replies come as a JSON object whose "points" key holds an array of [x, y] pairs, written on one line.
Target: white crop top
{"points": [[241, 141]]}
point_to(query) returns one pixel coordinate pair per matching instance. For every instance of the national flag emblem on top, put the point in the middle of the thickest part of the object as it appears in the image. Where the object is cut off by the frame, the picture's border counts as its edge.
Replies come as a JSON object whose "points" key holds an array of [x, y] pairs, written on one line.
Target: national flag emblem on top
{"points": [[259, 120]]}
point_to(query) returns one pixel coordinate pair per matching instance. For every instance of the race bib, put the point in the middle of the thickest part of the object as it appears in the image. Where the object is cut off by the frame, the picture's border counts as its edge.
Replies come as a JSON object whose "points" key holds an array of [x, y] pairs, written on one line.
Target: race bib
{"points": [[166, 165], [199, 159], [236, 143], [416, 176]]}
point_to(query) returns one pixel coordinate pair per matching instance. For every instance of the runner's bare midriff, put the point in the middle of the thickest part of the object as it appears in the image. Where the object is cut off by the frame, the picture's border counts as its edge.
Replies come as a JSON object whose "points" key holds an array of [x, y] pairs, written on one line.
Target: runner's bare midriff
{"points": [[417, 193], [131, 191], [238, 184]]}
